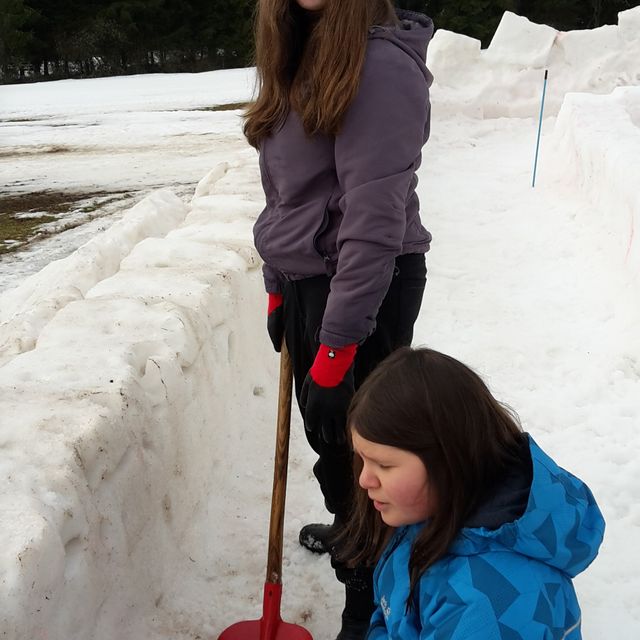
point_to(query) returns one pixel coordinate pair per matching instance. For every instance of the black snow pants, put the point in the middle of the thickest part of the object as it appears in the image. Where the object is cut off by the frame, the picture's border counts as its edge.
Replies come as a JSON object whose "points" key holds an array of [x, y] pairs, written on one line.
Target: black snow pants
{"points": [[304, 305]]}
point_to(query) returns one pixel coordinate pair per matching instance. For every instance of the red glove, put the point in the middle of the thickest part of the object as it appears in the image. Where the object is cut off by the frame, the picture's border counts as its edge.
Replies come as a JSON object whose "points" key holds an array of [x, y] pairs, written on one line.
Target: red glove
{"points": [[331, 365], [327, 392], [275, 320]]}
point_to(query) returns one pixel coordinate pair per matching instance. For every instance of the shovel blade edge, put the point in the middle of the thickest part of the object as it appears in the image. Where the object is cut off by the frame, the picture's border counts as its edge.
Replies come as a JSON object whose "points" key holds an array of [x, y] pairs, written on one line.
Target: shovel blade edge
{"points": [[257, 630], [270, 626]]}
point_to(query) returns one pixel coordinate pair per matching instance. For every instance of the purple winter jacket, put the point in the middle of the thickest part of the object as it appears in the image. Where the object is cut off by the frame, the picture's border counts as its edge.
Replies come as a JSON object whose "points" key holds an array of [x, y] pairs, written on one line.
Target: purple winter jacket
{"points": [[346, 205]]}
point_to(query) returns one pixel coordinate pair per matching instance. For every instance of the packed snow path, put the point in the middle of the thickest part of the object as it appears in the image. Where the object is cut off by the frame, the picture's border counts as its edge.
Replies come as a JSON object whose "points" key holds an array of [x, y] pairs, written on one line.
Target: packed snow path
{"points": [[523, 286], [522, 290]]}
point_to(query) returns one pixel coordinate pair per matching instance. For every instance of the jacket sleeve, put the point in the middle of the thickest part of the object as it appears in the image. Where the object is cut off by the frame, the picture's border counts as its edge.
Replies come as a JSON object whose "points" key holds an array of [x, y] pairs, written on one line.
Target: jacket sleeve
{"points": [[273, 282], [453, 620], [377, 626], [376, 154]]}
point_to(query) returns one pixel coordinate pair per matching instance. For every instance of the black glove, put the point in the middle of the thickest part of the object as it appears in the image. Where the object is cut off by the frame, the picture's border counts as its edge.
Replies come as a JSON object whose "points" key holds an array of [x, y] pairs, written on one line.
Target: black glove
{"points": [[326, 393], [275, 320]]}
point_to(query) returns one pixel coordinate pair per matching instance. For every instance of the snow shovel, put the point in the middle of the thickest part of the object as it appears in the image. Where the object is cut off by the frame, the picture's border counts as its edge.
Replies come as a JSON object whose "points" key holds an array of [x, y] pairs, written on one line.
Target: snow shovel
{"points": [[271, 626]]}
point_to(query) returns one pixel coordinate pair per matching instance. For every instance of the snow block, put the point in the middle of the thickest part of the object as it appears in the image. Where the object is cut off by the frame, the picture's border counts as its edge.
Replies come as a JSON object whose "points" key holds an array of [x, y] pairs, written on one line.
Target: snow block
{"points": [[629, 23], [114, 424], [582, 49], [454, 61], [25, 310], [596, 145], [517, 41], [206, 186], [448, 49]]}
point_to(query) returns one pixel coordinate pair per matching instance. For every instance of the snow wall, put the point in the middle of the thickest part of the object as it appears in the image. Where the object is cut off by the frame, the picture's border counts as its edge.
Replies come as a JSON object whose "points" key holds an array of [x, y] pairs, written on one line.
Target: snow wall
{"points": [[506, 79], [113, 361], [595, 147]]}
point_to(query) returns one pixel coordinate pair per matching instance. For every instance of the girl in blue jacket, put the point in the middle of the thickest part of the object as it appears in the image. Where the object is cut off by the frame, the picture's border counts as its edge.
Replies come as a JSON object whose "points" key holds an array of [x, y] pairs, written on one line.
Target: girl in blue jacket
{"points": [[477, 533]]}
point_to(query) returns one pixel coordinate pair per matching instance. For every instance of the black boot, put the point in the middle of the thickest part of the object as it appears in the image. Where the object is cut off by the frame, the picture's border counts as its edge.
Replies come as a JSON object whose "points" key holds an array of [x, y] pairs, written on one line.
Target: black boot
{"points": [[358, 608], [318, 537], [353, 629]]}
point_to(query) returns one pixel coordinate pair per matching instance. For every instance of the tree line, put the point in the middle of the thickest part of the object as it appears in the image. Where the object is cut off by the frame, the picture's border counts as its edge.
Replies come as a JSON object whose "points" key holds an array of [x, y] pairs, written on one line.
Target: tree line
{"points": [[479, 18], [51, 39], [47, 39]]}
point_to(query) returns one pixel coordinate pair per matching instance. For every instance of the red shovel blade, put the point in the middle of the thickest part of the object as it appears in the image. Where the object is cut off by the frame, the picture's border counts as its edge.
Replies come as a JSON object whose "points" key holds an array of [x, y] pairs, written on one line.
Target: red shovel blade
{"points": [[270, 626]]}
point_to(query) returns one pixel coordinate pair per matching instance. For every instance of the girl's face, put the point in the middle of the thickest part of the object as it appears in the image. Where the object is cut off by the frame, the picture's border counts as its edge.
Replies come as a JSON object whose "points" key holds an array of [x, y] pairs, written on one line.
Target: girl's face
{"points": [[311, 5], [396, 480]]}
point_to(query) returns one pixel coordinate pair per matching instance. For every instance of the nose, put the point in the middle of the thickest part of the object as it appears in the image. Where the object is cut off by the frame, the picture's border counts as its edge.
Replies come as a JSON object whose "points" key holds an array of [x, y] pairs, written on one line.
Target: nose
{"points": [[368, 479]]}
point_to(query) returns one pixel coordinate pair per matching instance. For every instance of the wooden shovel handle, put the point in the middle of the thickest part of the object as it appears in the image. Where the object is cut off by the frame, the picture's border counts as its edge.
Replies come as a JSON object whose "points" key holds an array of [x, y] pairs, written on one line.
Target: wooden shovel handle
{"points": [[276, 522]]}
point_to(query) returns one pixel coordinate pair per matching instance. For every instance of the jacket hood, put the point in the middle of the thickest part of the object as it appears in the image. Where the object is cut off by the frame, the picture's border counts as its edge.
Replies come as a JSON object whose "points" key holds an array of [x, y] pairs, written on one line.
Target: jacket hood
{"points": [[412, 35], [561, 526]]}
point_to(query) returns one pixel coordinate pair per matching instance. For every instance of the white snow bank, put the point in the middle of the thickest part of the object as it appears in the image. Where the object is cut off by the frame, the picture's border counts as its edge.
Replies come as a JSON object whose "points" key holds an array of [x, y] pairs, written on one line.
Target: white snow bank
{"points": [[506, 79], [115, 424], [25, 310], [146, 92], [521, 43], [596, 148]]}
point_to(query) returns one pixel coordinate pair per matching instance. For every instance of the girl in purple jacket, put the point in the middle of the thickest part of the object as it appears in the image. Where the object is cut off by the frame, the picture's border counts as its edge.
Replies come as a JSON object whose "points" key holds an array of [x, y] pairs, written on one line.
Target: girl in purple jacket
{"points": [[340, 121]]}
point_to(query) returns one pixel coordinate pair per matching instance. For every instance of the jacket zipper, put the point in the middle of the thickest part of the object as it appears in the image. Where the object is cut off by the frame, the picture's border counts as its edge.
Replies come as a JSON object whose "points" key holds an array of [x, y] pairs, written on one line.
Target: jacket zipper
{"points": [[263, 153], [328, 267]]}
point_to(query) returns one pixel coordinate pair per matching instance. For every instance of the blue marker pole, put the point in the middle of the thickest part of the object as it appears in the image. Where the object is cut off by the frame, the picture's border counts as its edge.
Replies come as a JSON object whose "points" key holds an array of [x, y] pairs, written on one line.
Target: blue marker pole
{"points": [[544, 93]]}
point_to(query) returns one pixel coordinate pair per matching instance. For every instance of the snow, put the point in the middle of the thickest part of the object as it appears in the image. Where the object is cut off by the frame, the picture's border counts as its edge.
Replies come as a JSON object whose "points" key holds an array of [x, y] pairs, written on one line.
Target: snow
{"points": [[505, 80], [28, 308], [596, 148], [138, 387], [521, 43], [112, 141], [127, 93], [629, 23]]}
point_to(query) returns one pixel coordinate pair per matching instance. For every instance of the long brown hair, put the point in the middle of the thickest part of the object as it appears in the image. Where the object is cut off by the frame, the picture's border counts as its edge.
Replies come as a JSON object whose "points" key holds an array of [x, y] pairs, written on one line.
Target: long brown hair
{"points": [[311, 61], [434, 406]]}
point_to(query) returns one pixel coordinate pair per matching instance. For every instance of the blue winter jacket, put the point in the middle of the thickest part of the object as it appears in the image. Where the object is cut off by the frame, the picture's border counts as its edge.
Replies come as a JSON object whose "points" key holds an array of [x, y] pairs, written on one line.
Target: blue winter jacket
{"points": [[508, 583]]}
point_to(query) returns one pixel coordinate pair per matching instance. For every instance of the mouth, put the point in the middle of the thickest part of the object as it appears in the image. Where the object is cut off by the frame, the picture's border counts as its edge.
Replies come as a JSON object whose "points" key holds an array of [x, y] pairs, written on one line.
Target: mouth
{"points": [[379, 506]]}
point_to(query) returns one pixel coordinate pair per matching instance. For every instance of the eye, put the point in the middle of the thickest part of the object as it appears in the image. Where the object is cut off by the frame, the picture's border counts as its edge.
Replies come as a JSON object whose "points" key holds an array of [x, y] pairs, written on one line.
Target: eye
{"points": [[384, 466]]}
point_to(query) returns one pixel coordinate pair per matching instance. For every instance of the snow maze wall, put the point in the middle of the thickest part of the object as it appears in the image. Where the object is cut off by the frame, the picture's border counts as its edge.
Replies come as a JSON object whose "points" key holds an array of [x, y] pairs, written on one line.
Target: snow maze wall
{"points": [[114, 361], [507, 77], [596, 145]]}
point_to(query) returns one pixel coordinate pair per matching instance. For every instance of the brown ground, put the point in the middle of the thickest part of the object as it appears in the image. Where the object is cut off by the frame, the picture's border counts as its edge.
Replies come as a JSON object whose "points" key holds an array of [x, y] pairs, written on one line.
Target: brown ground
{"points": [[51, 203]]}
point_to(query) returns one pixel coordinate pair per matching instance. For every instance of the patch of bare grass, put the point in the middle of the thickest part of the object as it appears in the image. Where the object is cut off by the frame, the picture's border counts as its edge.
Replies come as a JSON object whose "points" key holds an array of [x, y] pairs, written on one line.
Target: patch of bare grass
{"points": [[232, 106], [42, 207]]}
